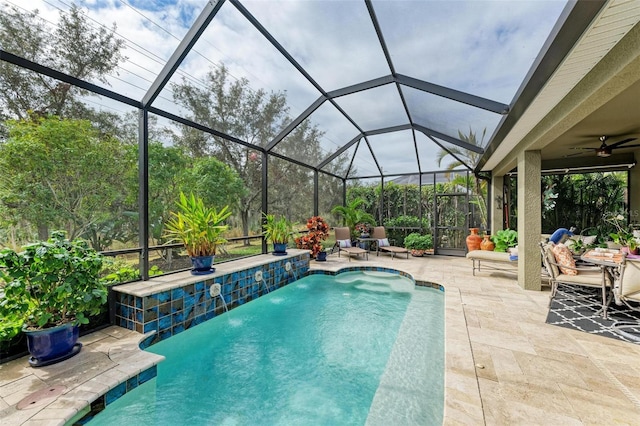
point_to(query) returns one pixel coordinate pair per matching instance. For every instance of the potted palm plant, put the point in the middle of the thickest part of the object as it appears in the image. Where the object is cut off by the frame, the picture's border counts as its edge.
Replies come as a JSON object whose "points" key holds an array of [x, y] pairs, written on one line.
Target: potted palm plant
{"points": [[353, 214], [278, 231], [200, 229], [51, 288]]}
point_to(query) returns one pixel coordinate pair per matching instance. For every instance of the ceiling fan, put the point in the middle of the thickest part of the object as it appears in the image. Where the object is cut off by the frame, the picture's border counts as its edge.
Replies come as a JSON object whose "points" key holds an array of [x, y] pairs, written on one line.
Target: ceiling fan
{"points": [[604, 150]]}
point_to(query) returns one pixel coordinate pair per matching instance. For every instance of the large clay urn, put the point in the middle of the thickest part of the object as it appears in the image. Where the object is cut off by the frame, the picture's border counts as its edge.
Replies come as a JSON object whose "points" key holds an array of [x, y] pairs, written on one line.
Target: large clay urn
{"points": [[487, 244], [473, 240]]}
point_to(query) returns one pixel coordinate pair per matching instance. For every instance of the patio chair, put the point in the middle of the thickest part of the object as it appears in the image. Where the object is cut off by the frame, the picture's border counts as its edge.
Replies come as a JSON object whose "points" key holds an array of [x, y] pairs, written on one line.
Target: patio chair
{"points": [[626, 288], [343, 243], [383, 243], [560, 273]]}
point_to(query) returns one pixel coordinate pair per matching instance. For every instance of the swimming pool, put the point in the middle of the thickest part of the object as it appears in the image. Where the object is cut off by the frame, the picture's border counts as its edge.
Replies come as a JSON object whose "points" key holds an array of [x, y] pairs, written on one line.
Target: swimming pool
{"points": [[322, 350]]}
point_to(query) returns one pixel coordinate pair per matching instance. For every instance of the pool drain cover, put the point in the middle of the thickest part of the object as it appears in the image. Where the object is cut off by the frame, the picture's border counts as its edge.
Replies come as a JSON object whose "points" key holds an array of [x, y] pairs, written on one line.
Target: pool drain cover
{"points": [[41, 397]]}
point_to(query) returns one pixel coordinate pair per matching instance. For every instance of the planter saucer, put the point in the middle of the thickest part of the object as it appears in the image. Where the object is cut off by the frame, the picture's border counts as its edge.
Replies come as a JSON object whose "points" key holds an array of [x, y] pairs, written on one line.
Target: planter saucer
{"points": [[279, 254], [205, 272], [34, 362]]}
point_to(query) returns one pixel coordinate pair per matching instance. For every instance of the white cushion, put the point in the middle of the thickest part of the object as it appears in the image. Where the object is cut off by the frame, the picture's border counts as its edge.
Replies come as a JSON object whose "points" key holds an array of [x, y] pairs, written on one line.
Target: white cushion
{"points": [[384, 242], [344, 243]]}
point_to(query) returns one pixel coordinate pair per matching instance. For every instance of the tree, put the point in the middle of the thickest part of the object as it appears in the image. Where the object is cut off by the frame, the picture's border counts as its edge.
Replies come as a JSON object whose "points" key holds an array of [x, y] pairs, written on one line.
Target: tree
{"points": [[232, 107], [62, 173], [217, 183], [74, 48], [469, 159]]}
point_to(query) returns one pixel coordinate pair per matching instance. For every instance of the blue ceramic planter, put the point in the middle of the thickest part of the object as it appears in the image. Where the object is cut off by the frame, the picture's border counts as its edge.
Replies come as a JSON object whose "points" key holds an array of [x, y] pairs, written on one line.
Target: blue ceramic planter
{"points": [[279, 249], [202, 265], [52, 344]]}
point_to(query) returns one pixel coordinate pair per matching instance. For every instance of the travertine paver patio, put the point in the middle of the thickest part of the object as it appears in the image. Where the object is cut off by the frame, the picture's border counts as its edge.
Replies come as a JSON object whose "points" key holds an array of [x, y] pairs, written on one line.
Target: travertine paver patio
{"points": [[504, 365]]}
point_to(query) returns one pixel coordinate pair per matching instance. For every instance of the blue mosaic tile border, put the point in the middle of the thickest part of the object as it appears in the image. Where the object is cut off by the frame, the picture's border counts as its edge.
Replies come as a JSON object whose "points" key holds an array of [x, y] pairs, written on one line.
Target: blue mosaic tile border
{"points": [[173, 311], [101, 403]]}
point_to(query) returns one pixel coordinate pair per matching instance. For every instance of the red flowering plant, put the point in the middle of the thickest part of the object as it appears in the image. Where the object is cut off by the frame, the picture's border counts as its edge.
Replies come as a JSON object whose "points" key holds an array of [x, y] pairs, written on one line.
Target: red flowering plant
{"points": [[312, 240], [363, 228]]}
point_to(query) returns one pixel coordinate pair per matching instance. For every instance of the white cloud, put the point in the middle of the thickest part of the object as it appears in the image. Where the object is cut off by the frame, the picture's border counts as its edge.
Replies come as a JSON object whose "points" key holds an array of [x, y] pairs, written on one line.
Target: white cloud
{"points": [[483, 47]]}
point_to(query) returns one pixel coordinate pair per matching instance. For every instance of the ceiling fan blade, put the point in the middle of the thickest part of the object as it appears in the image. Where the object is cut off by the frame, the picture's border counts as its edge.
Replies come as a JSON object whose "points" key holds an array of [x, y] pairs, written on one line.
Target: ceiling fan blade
{"points": [[587, 149], [617, 144], [572, 155], [626, 146]]}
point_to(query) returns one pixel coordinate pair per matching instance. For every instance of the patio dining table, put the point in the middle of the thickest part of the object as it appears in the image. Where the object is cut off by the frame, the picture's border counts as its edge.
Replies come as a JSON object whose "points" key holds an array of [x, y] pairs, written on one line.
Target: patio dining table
{"points": [[609, 261]]}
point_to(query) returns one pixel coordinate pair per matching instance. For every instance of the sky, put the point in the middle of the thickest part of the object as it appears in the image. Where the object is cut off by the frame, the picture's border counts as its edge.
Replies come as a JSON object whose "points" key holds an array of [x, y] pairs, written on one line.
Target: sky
{"points": [[481, 47]]}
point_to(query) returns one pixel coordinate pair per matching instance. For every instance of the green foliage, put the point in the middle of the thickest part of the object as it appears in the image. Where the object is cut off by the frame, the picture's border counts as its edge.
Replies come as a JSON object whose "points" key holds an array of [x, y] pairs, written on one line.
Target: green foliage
{"points": [[52, 282], [197, 226], [216, 182], [11, 324], [416, 241], [504, 239], [393, 226], [353, 214], [277, 230], [582, 200], [61, 173], [232, 106], [623, 234], [75, 47], [117, 271]]}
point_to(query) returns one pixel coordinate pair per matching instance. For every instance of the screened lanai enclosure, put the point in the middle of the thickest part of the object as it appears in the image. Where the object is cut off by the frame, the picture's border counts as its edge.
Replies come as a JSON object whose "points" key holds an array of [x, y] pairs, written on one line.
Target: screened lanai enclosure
{"points": [[110, 109]]}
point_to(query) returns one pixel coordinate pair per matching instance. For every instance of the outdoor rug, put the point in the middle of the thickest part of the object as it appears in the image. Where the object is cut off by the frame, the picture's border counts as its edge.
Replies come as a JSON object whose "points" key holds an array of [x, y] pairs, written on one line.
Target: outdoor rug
{"points": [[579, 308]]}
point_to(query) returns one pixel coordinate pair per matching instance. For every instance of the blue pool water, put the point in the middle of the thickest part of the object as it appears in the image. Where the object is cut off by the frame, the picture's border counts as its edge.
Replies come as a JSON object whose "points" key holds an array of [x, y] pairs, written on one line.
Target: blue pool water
{"points": [[313, 352]]}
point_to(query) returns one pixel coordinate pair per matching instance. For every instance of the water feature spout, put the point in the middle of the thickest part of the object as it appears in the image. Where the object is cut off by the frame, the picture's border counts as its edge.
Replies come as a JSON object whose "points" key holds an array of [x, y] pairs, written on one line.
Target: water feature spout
{"points": [[258, 276], [215, 290], [290, 270]]}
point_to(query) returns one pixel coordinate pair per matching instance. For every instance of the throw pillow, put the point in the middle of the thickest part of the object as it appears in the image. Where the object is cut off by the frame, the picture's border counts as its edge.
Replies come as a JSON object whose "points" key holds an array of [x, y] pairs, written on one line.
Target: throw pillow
{"points": [[344, 243], [564, 258], [383, 242]]}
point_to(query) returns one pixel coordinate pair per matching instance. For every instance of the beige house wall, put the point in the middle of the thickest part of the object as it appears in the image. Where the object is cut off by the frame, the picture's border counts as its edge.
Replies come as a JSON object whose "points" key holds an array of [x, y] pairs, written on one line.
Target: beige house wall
{"points": [[529, 220], [496, 204]]}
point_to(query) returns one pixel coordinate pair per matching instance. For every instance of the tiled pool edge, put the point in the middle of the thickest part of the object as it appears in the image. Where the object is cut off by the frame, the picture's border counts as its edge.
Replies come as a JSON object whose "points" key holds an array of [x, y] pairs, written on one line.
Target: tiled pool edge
{"points": [[152, 337], [180, 302]]}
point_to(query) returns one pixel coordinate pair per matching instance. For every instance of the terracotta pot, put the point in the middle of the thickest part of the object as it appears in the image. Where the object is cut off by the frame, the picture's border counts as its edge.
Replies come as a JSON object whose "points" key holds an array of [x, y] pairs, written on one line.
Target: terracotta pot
{"points": [[487, 244], [473, 240], [417, 252]]}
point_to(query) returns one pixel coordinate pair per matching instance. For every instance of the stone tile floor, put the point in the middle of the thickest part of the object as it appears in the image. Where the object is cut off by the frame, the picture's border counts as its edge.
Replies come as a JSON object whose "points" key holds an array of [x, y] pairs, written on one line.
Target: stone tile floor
{"points": [[504, 365]]}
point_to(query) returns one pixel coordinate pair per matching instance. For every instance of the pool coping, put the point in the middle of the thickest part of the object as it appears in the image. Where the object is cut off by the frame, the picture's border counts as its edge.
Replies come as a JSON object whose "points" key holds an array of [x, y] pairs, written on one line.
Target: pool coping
{"points": [[113, 357]]}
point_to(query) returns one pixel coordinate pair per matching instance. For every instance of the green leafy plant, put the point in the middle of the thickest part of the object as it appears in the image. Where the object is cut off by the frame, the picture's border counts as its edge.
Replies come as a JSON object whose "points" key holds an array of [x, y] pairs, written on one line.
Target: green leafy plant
{"points": [[624, 234], [416, 241], [353, 214], [312, 240], [197, 226], [277, 230], [504, 239], [116, 271], [51, 283]]}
